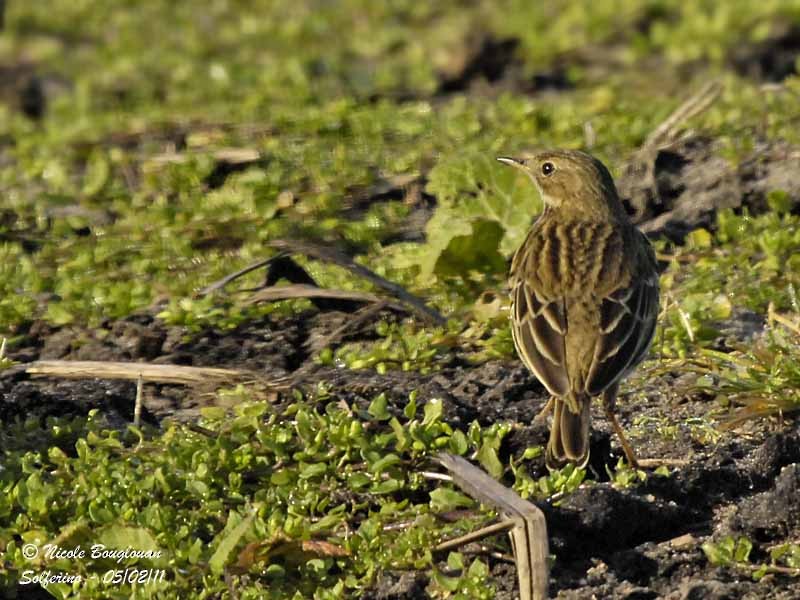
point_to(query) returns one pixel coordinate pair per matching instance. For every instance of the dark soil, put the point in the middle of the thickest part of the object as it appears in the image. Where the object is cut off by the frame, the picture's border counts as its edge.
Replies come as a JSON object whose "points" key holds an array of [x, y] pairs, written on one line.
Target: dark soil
{"points": [[774, 59], [691, 182], [641, 542]]}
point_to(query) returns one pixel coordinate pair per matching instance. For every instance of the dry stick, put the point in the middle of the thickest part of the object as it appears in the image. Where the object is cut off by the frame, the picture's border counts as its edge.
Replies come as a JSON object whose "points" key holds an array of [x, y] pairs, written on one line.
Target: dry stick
{"points": [[654, 463], [302, 290], [437, 476], [360, 316], [498, 555], [529, 532], [790, 571], [665, 133], [88, 369], [473, 536], [682, 541], [235, 156], [240, 273], [137, 407], [209, 433], [772, 315], [332, 255]]}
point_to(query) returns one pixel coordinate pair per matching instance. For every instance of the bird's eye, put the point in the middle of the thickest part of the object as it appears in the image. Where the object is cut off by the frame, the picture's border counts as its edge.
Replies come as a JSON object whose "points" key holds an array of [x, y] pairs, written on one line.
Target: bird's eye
{"points": [[547, 169]]}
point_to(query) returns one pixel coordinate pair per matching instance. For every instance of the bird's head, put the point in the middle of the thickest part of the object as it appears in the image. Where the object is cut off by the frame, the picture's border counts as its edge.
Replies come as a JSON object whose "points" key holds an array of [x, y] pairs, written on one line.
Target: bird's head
{"points": [[572, 183]]}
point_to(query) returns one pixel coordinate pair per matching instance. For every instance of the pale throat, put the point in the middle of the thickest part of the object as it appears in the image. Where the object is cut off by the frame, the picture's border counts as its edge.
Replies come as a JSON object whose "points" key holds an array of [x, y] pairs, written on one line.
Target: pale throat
{"points": [[588, 208]]}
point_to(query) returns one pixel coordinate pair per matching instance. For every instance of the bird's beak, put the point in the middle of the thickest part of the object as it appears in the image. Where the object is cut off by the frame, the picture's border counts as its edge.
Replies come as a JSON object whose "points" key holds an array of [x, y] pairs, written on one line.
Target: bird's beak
{"points": [[514, 162]]}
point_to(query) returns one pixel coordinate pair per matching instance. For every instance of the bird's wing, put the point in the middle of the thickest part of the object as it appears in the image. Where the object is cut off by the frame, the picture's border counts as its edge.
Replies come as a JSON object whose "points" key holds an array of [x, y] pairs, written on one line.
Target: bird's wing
{"points": [[538, 327], [628, 316]]}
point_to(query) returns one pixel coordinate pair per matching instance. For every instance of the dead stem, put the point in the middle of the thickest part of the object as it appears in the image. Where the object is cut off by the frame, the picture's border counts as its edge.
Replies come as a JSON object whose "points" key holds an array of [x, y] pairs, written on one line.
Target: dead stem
{"points": [[331, 255]]}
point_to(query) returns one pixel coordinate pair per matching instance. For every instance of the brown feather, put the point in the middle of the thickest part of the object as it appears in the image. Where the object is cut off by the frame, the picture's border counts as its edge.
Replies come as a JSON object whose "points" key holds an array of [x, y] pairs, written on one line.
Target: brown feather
{"points": [[585, 295], [569, 435], [540, 346]]}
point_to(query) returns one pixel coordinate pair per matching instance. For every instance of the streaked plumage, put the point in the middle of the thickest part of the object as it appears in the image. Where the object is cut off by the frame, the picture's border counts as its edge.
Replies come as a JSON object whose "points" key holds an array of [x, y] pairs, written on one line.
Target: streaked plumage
{"points": [[585, 296]]}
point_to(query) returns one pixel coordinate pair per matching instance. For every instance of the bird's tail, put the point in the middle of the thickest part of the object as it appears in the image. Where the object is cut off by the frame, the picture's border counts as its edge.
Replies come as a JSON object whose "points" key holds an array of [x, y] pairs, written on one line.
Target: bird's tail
{"points": [[569, 433]]}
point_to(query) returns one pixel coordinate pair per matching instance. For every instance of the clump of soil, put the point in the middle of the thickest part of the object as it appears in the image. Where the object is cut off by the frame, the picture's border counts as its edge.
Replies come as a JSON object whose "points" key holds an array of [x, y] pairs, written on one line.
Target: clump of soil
{"points": [[691, 182], [773, 59]]}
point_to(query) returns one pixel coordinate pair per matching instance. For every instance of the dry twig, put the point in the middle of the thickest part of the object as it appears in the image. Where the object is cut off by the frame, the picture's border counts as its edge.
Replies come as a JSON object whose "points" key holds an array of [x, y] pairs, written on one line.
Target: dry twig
{"points": [[451, 544], [333, 256], [137, 407], [667, 132], [217, 285], [643, 162], [527, 523], [175, 374], [773, 315], [300, 290]]}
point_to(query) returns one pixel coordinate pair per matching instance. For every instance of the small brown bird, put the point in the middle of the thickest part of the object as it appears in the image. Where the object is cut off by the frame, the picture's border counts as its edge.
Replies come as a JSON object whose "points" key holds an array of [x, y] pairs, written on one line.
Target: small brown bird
{"points": [[584, 296]]}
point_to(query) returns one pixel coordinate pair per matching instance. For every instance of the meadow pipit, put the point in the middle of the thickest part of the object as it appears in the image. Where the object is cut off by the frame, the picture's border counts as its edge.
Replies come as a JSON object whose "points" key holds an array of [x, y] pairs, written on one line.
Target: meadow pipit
{"points": [[584, 296]]}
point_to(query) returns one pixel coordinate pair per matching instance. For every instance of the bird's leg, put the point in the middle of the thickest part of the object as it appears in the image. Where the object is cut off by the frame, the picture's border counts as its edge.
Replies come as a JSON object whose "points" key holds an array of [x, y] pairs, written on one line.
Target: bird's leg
{"points": [[542, 414], [609, 398]]}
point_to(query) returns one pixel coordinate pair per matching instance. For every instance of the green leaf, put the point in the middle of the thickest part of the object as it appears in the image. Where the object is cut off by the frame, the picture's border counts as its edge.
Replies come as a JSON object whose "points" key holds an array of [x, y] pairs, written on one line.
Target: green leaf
{"points": [[458, 443], [378, 408], [401, 435], [487, 456], [532, 452], [384, 463], [451, 584], [715, 554], [473, 189], [728, 551], [97, 173], [59, 590], [57, 455], [313, 470], [743, 548], [99, 513], [477, 250], [282, 477], [410, 409], [721, 307], [59, 314], [228, 539], [387, 486], [306, 425], [779, 201], [444, 499], [357, 481], [699, 238], [455, 561], [478, 569], [433, 411], [117, 537]]}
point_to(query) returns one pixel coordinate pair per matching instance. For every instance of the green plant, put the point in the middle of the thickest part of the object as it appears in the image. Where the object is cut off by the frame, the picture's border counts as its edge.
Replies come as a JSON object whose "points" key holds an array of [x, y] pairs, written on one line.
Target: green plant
{"points": [[735, 553]]}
